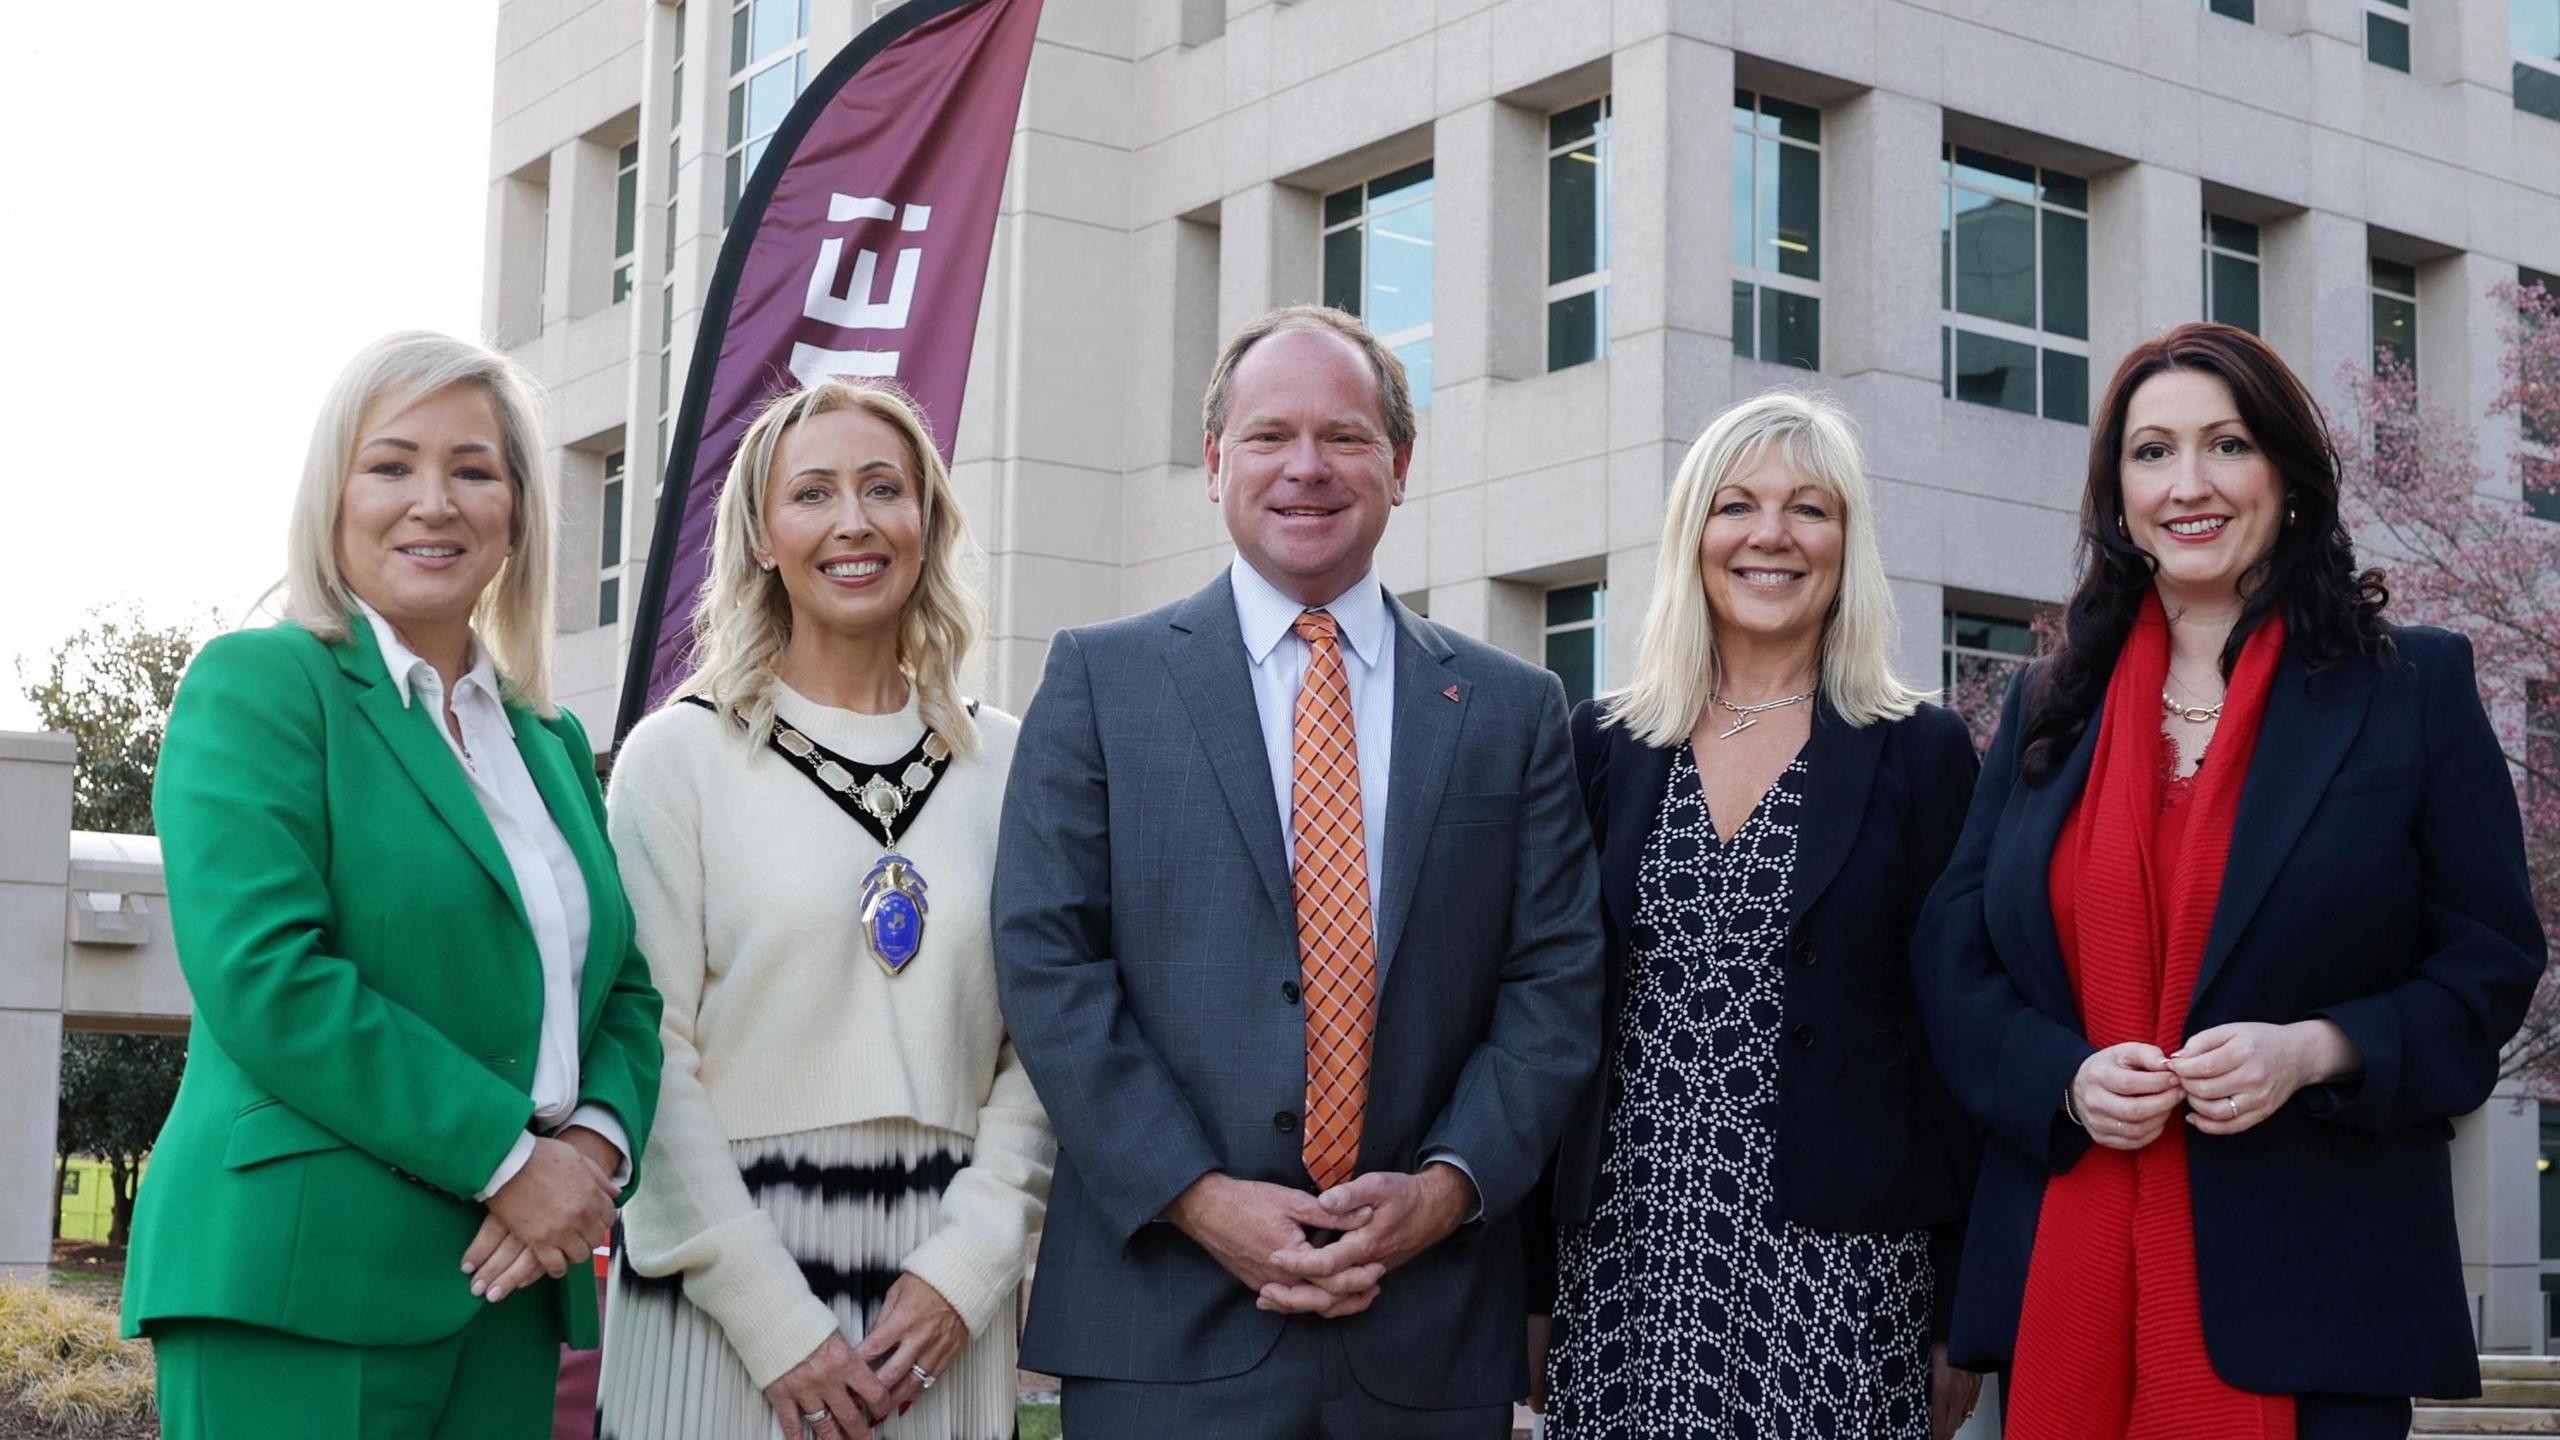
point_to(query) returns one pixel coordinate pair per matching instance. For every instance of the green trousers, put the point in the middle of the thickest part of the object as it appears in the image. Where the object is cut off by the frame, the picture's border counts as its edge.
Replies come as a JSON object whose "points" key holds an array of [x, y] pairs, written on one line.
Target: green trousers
{"points": [[491, 1380]]}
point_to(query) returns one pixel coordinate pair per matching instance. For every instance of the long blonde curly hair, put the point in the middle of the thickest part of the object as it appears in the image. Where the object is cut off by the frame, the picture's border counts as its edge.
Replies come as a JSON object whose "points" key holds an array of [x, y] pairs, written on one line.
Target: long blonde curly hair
{"points": [[742, 622]]}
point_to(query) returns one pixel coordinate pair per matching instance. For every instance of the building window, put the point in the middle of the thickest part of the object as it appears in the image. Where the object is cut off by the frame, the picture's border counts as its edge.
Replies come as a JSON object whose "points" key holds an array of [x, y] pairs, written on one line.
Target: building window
{"points": [[2535, 28], [2542, 470], [2386, 34], [2014, 285], [1578, 234], [2541, 737], [1377, 264], [1577, 639], [768, 66], [626, 218], [2242, 10], [1777, 230], [2395, 311], [609, 543], [1978, 652], [2231, 271]]}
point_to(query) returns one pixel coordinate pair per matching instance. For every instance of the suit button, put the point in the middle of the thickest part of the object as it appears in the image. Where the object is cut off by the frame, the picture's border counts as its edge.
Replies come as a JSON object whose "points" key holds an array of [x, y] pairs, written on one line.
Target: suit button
{"points": [[1289, 991], [1286, 1122], [1804, 950], [1803, 1036]]}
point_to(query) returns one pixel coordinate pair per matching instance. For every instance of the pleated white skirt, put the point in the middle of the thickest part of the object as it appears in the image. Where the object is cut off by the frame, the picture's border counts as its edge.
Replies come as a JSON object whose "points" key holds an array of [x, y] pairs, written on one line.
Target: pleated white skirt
{"points": [[851, 1201]]}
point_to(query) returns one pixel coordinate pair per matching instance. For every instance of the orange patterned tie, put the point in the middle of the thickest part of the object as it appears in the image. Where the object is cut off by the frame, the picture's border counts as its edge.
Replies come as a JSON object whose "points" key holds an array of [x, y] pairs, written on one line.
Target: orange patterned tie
{"points": [[1337, 946]]}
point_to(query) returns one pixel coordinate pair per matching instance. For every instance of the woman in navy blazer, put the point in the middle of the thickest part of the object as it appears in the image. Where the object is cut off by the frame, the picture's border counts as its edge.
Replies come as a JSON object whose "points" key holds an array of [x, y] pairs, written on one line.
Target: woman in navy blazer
{"points": [[2371, 947], [1763, 1194]]}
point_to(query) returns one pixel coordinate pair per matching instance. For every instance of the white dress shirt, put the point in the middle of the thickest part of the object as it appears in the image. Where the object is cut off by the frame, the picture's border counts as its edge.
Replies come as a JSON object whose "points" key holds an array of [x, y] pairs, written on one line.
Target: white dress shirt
{"points": [[1279, 662], [546, 873]]}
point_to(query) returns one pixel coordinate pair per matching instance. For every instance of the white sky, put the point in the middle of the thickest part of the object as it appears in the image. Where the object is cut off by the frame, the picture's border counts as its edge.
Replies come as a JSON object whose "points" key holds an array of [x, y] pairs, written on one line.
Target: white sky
{"points": [[211, 208]]}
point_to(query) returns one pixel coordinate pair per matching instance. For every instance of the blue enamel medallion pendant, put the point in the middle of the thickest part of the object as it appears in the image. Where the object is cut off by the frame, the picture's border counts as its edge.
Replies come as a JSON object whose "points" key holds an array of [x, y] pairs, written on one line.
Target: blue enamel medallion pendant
{"points": [[893, 908]]}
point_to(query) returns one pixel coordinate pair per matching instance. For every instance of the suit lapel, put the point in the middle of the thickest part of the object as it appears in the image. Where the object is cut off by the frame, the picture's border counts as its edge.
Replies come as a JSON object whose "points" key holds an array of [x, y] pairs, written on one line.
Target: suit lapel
{"points": [[410, 733], [1426, 735], [557, 780], [1841, 770], [2040, 811], [2310, 723], [1213, 676], [1637, 774]]}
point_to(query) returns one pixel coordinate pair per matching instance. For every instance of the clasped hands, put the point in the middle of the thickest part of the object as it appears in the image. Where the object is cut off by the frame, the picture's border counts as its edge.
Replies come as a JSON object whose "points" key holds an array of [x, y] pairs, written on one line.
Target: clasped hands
{"points": [[1379, 1221], [548, 1218], [2228, 1079]]}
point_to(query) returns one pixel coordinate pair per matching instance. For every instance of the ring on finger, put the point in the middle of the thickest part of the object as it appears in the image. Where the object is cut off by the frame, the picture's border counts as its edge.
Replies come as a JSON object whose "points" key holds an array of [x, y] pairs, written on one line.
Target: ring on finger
{"points": [[2232, 1102], [924, 1377], [816, 1417]]}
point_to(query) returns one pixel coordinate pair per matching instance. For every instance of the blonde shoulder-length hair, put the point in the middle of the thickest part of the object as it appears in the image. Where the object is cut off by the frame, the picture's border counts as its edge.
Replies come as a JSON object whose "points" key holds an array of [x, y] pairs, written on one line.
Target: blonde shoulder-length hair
{"points": [[1676, 665], [513, 617], [743, 620]]}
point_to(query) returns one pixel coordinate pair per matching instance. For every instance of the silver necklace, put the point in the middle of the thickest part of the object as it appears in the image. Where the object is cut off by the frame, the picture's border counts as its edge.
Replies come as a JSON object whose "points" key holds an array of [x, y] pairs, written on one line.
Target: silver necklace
{"points": [[2192, 714], [1746, 716]]}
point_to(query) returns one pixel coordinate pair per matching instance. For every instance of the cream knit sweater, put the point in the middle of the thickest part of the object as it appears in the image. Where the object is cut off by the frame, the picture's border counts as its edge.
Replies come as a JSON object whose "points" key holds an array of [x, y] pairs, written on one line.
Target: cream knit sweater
{"points": [[745, 880]]}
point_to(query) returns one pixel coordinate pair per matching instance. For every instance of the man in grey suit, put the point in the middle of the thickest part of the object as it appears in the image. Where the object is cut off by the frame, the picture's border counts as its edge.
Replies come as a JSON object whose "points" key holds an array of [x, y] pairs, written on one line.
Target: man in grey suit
{"points": [[1297, 933]]}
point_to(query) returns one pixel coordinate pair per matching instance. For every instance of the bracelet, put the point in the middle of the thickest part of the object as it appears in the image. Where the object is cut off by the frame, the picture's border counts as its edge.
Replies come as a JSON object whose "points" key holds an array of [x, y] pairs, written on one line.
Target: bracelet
{"points": [[2071, 1109]]}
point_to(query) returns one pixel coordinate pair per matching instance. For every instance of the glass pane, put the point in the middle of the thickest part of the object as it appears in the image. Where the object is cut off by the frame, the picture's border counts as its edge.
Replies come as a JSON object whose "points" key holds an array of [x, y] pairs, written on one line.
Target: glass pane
{"points": [[1796, 122], [2232, 234], [1745, 302], [2235, 292], [609, 550], [2395, 328], [769, 97], [1573, 330], [1798, 212], [1573, 213], [737, 116], [1746, 108], [1567, 604], [2066, 387], [1417, 371], [1745, 234], [755, 152], [2537, 91], [1968, 631], [675, 96], [1995, 259], [609, 600], [1342, 205], [1946, 365], [1410, 183], [775, 27], [626, 212], [2236, 9], [1995, 173], [729, 192], [2066, 275], [1790, 329], [1342, 269], [2395, 277], [1946, 246], [1399, 290], [738, 38], [2386, 42], [1566, 126], [2070, 190], [2542, 488], [628, 157], [1575, 655], [2533, 27], [621, 282], [1997, 372]]}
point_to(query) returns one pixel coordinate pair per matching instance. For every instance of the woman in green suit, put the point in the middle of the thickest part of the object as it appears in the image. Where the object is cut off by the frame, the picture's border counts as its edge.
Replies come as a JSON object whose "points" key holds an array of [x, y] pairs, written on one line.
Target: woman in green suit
{"points": [[425, 1052]]}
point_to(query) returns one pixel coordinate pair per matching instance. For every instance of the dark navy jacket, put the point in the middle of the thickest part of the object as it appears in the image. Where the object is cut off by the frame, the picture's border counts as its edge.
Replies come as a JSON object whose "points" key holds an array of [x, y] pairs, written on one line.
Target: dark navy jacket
{"points": [[1868, 1139], [2377, 879]]}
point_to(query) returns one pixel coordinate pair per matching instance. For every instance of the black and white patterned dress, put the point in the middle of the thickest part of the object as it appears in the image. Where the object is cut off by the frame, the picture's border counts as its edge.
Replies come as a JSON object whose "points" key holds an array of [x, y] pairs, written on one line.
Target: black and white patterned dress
{"points": [[1689, 1307]]}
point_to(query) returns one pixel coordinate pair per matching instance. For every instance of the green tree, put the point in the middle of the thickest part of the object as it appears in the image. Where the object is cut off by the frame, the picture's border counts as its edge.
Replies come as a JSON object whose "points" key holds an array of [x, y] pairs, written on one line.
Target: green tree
{"points": [[110, 686]]}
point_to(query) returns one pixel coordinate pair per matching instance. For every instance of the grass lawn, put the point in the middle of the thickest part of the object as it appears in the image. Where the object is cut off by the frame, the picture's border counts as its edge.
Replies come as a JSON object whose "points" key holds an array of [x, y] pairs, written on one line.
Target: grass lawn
{"points": [[1039, 1420]]}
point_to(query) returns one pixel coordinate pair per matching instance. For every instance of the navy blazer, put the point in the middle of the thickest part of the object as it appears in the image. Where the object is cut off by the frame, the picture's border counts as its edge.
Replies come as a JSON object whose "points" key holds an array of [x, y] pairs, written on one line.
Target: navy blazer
{"points": [[1868, 1139], [2377, 879]]}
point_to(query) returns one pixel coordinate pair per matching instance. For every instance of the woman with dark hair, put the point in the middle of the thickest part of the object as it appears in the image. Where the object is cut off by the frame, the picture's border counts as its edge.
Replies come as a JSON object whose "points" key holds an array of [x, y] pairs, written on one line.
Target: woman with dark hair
{"points": [[2237, 925]]}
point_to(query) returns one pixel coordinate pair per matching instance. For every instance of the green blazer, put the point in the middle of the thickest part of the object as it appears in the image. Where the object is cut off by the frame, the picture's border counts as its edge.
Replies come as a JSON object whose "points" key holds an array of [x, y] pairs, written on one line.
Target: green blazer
{"points": [[367, 998]]}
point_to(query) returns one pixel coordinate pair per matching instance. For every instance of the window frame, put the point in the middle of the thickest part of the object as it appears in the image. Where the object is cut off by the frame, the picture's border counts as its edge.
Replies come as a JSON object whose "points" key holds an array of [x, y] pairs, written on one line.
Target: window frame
{"points": [[1953, 320], [1595, 281], [2254, 259], [1364, 221], [2374, 295], [626, 221], [613, 522], [742, 146], [1761, 277], [1597, 623]]}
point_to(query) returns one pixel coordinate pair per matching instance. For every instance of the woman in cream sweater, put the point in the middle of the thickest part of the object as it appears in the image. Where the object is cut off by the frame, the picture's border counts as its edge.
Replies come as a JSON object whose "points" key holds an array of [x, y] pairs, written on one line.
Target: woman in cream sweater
{"points": [[848, 1158]]}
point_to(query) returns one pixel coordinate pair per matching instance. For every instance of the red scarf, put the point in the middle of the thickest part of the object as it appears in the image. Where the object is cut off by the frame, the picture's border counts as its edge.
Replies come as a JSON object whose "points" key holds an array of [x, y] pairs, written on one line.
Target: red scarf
{"points": [[2111, 1339]]}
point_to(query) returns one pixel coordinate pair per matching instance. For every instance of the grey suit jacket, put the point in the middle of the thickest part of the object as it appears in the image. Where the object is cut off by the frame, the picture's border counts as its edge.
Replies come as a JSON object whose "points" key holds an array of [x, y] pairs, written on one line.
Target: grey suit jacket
{"points": [[1147, 955]]}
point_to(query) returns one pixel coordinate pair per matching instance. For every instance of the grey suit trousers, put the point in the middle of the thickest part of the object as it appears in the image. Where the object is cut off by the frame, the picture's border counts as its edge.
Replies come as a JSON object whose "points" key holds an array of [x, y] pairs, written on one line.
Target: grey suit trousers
{"points": [[1302, 1390]]}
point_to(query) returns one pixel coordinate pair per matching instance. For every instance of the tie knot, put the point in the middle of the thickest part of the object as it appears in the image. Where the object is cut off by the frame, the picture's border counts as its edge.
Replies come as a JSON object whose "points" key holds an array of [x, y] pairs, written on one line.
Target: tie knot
{"points": [[1314, 625]]}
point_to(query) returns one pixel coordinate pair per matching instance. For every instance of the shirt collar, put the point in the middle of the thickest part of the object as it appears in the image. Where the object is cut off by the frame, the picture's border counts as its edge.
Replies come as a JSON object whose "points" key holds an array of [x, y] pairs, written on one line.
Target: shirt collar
{"points": [[1265, 614], [405, 663]]}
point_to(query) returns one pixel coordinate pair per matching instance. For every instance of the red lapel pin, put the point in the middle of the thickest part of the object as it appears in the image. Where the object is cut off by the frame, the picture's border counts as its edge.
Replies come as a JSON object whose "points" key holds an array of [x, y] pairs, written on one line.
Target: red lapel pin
{"points": [[1451, 692]]}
